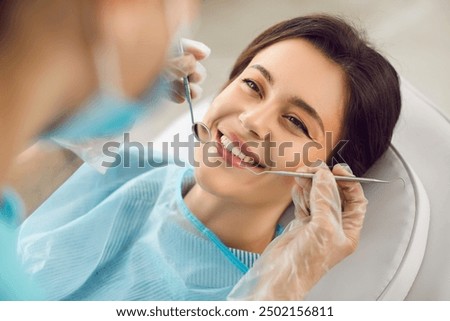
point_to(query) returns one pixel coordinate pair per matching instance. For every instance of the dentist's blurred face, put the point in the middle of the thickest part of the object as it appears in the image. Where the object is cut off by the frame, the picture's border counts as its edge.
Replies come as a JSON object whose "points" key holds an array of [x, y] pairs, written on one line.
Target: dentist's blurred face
{"points": [[289, 91], [141, 32], [124, 43]]}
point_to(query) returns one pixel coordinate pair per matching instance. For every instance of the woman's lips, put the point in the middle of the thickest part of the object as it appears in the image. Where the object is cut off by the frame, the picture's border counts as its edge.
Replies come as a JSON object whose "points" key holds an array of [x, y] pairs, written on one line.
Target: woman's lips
{"points": [[245, 148], [233, 160]]}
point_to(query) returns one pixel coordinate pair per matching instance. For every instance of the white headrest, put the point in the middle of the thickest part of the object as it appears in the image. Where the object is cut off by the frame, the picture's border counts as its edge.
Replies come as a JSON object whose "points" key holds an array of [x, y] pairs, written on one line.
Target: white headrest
{"points": [[422, 137], [393, 239]]}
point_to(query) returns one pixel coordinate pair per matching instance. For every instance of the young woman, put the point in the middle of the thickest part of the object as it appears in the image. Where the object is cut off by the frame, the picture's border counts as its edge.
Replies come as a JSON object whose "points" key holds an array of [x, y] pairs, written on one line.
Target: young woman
{"points": [[308, 87]]}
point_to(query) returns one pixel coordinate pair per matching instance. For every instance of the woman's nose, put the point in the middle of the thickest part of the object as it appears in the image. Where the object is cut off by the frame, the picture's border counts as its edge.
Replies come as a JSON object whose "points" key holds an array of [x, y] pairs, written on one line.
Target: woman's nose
{"points": [[257, 121]]}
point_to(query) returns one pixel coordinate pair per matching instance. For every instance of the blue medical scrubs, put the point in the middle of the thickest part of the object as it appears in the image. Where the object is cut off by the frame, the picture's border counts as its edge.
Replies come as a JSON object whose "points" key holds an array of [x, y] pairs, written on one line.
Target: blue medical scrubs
{"points": [[14, 282]]}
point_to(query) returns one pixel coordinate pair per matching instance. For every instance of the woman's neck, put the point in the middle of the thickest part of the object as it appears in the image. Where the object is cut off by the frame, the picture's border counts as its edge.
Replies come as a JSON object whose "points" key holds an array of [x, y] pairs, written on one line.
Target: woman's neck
{"points": [[242, 226]]}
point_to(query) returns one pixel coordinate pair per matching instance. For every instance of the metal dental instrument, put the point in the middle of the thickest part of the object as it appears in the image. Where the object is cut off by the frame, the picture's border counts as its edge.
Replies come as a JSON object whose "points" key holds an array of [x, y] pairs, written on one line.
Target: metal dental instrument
{"points": [[201, 130], [338, 178]]}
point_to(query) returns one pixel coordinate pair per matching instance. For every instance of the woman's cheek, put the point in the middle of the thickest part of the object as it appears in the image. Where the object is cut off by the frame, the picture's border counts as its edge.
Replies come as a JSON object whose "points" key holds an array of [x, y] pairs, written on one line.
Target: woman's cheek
{"points": [[215, 111], [288, 155]]}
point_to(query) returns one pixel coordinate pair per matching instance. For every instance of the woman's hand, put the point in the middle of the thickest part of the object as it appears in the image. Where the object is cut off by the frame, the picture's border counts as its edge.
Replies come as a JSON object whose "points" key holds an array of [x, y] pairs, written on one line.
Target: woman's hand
{"points": [[187, 65], [326, 229]]}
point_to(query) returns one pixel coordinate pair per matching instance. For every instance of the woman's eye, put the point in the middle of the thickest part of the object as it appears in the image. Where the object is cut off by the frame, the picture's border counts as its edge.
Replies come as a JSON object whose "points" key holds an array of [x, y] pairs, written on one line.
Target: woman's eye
{"points": [[298, 124], [252, 85]]}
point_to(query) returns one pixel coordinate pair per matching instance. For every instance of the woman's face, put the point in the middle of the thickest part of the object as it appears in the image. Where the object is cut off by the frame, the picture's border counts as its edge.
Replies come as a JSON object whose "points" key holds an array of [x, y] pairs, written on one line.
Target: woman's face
{"points": [[284, 110]]}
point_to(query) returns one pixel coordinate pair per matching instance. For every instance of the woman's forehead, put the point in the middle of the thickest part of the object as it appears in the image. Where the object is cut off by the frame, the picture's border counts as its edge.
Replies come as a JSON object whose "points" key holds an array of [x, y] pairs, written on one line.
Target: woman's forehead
{"points": [[298, 62]]}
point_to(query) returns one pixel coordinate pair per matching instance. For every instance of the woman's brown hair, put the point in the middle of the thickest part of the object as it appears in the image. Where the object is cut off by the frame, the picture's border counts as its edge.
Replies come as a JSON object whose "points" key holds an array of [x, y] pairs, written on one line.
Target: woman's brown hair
{"points": [[373, 104]]}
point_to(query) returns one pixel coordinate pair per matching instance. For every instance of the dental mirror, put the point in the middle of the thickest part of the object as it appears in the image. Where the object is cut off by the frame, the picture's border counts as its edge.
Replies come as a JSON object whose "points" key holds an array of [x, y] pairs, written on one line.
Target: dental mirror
{"points": [[200, 130]]}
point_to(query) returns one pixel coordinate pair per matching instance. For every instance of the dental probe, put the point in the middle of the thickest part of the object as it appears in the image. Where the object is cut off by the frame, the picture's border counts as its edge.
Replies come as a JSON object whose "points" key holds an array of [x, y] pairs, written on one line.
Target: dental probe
{"points": [[338, 178]]}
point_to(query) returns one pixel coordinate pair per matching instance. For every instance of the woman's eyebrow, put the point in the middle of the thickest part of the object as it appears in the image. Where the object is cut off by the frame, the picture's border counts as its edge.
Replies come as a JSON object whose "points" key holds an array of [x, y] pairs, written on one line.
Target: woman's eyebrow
{"points": [[296, 101], [266, 74]]}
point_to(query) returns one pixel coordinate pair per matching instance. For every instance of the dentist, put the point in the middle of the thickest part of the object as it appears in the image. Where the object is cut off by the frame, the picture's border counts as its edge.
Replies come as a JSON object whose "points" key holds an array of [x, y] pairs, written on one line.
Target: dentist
{"points": [[77, 70]]}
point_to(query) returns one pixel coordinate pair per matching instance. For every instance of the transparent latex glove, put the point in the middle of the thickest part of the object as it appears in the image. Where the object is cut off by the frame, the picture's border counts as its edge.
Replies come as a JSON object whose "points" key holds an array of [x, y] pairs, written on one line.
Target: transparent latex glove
{"points": [[328, 220], [187, 65]]}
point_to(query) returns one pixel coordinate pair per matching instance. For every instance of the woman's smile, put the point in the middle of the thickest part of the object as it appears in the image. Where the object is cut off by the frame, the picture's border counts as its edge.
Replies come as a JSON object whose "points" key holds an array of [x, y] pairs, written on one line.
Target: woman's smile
{"points": [[236, 152]]}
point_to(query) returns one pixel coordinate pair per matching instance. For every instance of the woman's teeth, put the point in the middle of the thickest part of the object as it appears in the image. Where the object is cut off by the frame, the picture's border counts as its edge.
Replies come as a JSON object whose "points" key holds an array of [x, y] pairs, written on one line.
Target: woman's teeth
{"points": [[236, 151]]}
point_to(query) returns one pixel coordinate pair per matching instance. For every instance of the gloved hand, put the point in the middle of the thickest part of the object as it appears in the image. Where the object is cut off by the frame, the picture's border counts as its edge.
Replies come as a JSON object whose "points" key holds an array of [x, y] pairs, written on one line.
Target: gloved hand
{"points": [[328, 220], [187, 65], [91, 151]]}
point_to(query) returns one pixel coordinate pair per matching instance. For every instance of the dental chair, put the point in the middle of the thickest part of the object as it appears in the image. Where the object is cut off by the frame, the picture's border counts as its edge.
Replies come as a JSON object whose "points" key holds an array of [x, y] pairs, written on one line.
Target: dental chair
{"points": [[403, 252]]}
